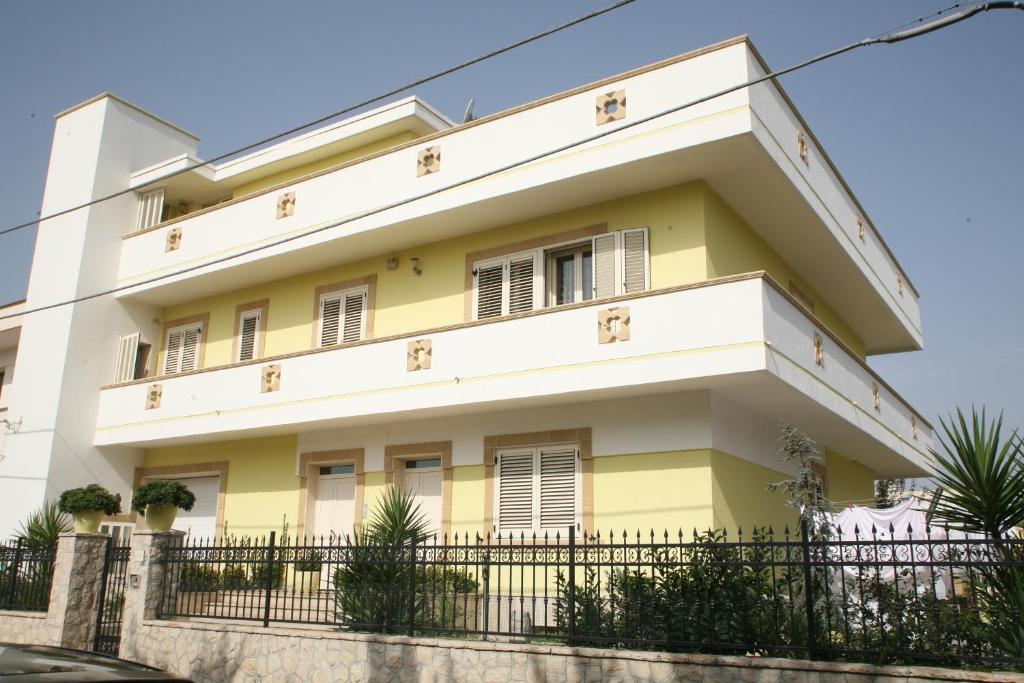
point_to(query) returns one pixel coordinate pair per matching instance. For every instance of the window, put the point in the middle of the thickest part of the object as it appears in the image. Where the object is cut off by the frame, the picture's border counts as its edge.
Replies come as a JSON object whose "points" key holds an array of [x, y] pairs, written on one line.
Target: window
{"points": [[423, 463], [606, 265], [183, 346], [152, 209], [537, 489], [328, 470], [132, 358], [248, 334], [2, 371], [342, 316]]}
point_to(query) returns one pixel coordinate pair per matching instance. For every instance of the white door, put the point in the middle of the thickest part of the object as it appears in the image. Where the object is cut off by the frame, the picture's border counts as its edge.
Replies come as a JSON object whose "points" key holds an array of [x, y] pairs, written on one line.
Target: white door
{"points": [[334, 513], [200, 523], [425, 485]]}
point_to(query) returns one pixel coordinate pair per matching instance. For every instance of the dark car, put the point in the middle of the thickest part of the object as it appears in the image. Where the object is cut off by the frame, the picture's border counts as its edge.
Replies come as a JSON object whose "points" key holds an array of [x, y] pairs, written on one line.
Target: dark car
{"points": [[42, 663]]}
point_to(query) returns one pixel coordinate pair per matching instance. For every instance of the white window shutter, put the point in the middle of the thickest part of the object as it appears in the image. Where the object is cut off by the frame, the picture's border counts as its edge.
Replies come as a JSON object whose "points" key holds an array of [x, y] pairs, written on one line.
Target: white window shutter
{"points": [[151, 209], [247, 332], [330, 320], [190, 348], [172, 362], [515, 491], [355, 305], [127, 354], [605, 265], [557, 489], [522, 283], [488, 291], [635, 270]]}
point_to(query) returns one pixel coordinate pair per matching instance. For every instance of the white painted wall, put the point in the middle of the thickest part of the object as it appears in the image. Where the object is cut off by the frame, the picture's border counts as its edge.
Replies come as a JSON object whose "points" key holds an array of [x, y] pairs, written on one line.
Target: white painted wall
{"points": [[69, 351]]}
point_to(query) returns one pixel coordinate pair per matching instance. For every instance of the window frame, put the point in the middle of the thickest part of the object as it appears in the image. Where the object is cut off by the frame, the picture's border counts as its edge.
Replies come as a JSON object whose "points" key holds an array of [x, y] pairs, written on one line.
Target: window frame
{"points": [[259, 308], [506, 262], [143, 216], [538, 450], [203, 323], [550, 257], [341, 295]]}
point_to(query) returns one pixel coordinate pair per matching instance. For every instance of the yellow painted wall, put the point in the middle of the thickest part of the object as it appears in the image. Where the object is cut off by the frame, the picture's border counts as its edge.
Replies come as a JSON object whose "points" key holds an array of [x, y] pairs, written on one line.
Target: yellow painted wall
{"points": [[733, 247], [406, 302], [313, 167], [848, 480], [468, 500], [741, 500], [261, 484], [653, 490]]}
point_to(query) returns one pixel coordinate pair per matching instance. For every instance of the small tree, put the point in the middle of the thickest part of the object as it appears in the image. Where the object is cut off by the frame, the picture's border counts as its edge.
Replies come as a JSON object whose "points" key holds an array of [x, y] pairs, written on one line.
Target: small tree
{"points": [[43, 527], [805, 492], [889, 492]]}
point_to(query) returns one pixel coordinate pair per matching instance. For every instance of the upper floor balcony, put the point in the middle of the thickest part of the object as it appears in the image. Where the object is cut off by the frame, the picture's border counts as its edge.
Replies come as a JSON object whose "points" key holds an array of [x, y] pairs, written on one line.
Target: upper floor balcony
{"points": [[743, 336], [751, 146]]}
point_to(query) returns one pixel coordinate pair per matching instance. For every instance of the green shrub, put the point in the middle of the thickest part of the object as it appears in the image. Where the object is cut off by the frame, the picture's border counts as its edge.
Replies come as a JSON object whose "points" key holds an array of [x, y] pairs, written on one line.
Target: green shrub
{"points": [[198, 577], [43, 527], [160, 493], [89, 499], [234, 577], [308, 561]]}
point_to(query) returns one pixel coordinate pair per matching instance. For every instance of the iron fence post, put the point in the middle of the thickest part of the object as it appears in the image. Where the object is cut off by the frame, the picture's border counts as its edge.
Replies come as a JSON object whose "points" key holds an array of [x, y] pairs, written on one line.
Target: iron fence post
{"points": [[572, 584], [805, 543], [270, 580], [412, 588]]}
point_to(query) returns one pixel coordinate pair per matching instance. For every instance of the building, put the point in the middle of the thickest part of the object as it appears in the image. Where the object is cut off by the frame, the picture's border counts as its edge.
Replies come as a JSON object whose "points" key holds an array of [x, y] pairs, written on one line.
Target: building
{"points": [[604, 337]]}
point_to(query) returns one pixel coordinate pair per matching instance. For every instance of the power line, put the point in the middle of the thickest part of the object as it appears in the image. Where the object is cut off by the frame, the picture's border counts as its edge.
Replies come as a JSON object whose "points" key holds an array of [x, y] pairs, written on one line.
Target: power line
{"points": [[888, 37], [328, 117]]}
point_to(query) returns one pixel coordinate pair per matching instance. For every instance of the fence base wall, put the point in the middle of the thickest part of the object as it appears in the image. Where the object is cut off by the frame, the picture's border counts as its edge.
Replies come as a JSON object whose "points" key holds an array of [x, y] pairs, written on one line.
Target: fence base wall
{"points": [[207, 651], [28, 627]]}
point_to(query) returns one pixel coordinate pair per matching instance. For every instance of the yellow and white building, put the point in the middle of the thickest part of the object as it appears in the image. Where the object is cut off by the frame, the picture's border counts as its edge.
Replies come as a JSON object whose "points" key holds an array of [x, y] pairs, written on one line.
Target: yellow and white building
{"points": [[605, 337]]}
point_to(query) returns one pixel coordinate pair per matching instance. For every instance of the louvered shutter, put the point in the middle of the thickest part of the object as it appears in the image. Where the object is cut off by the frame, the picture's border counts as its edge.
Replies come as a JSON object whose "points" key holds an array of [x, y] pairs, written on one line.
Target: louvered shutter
{"points": [[634, 260], [515, 491], [151, 209], [190, 348], [172, 362], [605, 262], [521, 283], [488, 291], [248, 329], [353, 328], [330, 320], [557, 505], [127, 354]]}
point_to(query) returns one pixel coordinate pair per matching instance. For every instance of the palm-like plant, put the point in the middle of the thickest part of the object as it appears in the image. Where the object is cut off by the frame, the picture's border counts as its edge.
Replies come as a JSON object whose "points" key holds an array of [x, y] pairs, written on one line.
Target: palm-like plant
{"points": [[981, 475], [43, 527]]}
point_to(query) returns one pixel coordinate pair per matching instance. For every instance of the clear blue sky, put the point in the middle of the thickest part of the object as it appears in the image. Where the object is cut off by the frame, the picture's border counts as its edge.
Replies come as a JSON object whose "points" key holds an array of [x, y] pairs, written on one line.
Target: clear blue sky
{"points": [[926, 132]]}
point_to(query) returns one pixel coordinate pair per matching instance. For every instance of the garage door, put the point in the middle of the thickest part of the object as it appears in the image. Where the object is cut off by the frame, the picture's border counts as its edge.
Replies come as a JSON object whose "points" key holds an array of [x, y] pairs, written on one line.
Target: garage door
{"points": [[201, 521]]}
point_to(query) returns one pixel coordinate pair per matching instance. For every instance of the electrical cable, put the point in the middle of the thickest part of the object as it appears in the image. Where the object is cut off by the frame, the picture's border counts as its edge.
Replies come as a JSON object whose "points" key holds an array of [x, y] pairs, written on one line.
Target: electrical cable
{"points": [[890, 37], [328, 117]]}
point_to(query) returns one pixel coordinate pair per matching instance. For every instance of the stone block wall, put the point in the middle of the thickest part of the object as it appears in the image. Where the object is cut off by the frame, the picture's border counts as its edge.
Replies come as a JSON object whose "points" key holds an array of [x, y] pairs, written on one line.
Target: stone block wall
{"points": [[28, 627]]}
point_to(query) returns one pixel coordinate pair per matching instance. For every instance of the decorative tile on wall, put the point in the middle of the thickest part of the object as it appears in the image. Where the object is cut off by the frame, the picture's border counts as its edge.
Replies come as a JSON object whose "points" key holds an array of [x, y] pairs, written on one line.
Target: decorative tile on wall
{"points": [[419, 355], [860, 229], [819, 350], [876, 398], [613, 325], [270, 378], [913, 427], [286, 205], [428, 160], [611, 107], [173, 239], [801, 147], [154, 393]]}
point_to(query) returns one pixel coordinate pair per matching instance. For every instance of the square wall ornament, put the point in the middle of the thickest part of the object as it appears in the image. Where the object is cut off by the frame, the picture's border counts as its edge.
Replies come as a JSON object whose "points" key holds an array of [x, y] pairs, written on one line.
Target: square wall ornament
{"points": [[419, 355], [173, 240], [611, 106], [613, 325], [801, 147], [154, 393], [270, 378], [819, 350], [428, 161], [286, 205], [876, 399]]}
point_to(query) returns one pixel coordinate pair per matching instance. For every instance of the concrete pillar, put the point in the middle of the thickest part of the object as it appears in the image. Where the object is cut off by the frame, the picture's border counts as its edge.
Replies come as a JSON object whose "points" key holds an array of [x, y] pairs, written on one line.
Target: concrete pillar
{"points": [[145, 587], [74, 594]]}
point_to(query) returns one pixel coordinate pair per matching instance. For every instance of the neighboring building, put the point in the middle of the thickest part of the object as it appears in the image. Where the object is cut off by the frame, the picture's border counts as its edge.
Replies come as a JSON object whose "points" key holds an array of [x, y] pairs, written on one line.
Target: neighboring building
{"points": [[10, 332], [606, 338]]}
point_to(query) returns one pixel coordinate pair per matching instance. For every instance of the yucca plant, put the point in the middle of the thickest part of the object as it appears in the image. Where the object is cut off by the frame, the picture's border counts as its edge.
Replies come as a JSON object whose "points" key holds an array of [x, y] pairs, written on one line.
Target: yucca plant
{"points": [[44, 526], [981, 475]]}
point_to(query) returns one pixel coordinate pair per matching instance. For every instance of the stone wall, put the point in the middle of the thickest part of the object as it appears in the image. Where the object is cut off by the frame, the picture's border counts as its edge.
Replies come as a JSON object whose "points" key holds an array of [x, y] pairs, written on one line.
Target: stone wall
{"points": [[218, 651], [28, 627]]}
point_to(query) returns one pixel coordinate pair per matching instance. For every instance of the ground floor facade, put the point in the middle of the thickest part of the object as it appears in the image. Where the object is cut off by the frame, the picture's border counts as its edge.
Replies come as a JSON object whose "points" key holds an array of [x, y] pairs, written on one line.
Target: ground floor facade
{"points": [[660, 462]]}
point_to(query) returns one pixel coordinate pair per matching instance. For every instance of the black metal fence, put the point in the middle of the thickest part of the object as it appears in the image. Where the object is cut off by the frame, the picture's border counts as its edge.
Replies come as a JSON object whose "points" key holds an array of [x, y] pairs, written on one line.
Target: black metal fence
{"points": [[26, 572], [110, 605], [868, 598]]}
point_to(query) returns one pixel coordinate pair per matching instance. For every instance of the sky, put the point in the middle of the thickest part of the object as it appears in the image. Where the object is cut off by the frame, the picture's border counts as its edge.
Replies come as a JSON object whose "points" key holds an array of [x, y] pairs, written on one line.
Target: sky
{"points": [[926, 132]]}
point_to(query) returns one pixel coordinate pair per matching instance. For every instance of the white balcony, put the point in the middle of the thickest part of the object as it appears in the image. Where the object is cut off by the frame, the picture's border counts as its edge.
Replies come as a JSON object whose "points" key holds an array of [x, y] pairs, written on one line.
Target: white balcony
{"points": [[743, 144], [741, 337]]}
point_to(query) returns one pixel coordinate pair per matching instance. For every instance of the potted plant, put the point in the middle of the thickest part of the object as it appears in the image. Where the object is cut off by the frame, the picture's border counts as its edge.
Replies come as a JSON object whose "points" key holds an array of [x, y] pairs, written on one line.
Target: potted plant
{"points": [[160, 500], [307, 571], [88, 505]]}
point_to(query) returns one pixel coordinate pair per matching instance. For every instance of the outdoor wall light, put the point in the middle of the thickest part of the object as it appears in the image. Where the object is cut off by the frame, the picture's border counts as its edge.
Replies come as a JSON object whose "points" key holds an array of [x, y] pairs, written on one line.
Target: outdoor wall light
{"points": [[392, 263], [415, 264]]}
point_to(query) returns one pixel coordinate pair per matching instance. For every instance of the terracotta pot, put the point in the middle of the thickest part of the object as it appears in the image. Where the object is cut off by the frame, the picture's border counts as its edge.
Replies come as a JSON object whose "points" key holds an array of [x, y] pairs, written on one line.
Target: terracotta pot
{"points": [[87, 522], [161, 518]]}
